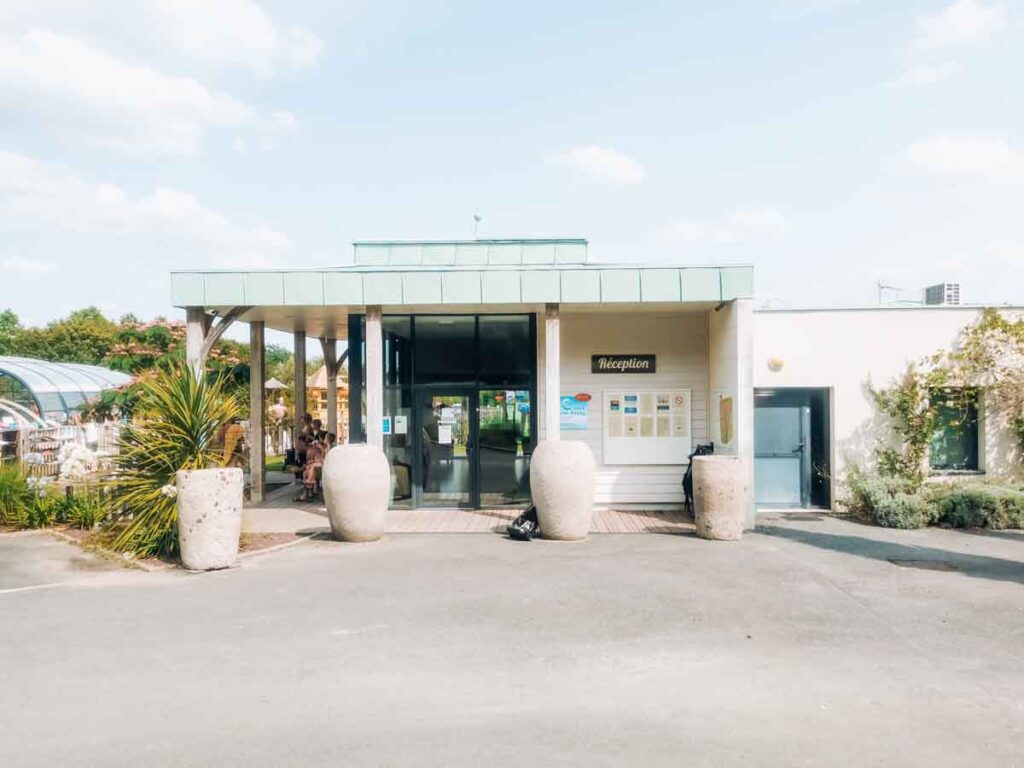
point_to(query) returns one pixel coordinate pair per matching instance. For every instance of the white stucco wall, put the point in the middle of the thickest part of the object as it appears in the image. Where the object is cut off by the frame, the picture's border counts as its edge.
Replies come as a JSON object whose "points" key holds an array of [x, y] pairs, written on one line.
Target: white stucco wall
{"points": [[679, 340], [730, 369], [843, 349]]}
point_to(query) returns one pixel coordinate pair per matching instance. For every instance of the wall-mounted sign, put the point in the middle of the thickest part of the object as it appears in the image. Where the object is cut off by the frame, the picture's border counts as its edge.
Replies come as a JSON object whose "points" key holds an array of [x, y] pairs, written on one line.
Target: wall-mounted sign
{"points": [[572, 414], [647, 426], [622, 364]]}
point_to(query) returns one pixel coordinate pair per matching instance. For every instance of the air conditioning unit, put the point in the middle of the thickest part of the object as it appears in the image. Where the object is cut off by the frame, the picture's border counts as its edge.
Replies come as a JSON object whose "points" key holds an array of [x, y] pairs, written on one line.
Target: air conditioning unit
{"points": [[942, 293]]}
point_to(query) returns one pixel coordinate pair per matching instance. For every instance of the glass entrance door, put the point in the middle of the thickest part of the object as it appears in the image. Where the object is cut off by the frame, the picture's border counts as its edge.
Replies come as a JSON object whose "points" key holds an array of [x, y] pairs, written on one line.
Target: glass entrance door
{"points": [[447, 427], [782, 466], [506, 443]]}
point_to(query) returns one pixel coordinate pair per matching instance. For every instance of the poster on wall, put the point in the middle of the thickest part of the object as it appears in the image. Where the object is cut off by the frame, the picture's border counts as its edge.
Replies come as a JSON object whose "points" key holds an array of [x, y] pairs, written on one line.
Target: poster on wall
{"points": [[723, 420], [572, 415], [444, 434], [646, 426]]}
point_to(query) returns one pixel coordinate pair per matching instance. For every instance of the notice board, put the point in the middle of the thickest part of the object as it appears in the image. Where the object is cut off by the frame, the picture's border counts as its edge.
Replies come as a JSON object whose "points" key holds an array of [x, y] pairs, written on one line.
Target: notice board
{"points": [[646, 426]]}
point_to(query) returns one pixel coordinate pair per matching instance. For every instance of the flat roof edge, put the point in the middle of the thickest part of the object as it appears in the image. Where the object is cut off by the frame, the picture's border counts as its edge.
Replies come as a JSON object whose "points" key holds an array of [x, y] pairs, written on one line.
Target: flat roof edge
{"points": [[887, 308], [481, 241], [452, 267]]}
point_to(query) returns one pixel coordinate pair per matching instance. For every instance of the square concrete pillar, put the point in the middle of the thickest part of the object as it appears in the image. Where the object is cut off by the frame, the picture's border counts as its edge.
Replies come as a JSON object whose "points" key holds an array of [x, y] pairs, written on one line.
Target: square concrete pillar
{"points": [[552, 373], [731, 385], [374, 377]]}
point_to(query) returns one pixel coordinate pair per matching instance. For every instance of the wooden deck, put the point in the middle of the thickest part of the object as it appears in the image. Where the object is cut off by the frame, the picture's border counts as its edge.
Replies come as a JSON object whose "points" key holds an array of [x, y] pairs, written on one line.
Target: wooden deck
{"points": [[281, 513]]}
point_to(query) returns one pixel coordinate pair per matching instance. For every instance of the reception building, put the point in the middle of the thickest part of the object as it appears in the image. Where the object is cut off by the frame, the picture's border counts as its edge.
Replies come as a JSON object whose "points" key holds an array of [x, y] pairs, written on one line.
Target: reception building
{"points": [[462, 355]]}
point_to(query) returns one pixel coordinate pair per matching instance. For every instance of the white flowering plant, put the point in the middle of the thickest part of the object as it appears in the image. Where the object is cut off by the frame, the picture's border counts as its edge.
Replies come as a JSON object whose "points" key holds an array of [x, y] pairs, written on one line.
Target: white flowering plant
{"points": [[77, 462]]}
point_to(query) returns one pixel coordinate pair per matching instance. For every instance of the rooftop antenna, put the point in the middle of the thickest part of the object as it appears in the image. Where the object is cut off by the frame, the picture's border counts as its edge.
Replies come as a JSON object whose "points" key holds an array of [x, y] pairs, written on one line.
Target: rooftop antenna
{"points": [[883, 287], [477, 218]]}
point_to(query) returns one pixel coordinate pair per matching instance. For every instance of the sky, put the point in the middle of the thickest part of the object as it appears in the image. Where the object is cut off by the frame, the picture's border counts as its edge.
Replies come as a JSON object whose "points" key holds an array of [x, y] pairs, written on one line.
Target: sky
{"points": [[833, 144]]}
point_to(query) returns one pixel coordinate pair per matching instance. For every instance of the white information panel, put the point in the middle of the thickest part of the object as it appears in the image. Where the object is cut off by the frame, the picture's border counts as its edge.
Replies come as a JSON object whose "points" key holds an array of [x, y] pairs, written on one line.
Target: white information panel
{"points": [[646, 426]]}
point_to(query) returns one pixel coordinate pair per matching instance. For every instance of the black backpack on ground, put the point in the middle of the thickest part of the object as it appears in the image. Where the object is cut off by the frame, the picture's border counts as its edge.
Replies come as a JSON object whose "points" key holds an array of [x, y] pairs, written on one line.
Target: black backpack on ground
{"points": [[524, 527], [700, 450]]}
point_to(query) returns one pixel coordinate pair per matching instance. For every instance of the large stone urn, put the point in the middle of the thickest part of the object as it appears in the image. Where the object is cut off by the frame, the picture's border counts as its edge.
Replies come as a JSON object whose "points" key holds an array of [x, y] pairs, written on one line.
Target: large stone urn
{"points": [[357, 485], [209, 517], [562, 485], [720, 494]]}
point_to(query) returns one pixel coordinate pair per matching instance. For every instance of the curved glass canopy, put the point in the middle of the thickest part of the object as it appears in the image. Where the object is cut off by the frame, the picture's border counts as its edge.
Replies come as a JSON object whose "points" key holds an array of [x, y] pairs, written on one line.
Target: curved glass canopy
{"points": [[54, 390]]}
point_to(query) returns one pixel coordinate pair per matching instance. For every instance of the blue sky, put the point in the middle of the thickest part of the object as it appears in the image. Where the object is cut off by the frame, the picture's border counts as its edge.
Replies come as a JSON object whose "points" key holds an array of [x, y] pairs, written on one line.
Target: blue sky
{"points": [[832, 144]]}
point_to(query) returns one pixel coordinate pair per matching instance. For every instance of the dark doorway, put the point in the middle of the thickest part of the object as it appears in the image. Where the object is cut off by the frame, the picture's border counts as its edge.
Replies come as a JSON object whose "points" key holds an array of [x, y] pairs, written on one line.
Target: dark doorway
{"points": [[458, 407], [792, 447]]}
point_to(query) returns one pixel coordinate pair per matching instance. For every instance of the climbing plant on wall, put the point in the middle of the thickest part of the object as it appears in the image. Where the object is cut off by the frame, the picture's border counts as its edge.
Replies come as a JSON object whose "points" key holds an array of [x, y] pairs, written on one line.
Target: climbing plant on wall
{"points": [[988, 357]]}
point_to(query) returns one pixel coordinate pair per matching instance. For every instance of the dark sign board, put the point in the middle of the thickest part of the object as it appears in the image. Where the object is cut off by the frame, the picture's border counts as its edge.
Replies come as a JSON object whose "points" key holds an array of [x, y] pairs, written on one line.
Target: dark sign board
{"points": [[622, 363]]}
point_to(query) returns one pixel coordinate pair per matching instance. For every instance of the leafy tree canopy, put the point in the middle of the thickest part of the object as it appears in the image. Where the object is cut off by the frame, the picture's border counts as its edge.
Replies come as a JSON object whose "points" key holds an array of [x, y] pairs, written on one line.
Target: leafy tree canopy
{"points": [[132, 346]]}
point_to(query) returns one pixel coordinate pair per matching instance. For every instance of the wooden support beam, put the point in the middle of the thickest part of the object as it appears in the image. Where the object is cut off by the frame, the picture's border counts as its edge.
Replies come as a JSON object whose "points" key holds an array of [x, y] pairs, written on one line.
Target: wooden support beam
{"points": [[202, 333], [217, 330], [299, 351], [257, 408], [195, 335], [329, 348]]}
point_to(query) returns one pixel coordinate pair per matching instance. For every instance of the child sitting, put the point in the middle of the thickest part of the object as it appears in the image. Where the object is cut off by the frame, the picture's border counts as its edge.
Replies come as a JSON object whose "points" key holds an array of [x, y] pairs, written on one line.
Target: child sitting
{"points": [[311, 470]]}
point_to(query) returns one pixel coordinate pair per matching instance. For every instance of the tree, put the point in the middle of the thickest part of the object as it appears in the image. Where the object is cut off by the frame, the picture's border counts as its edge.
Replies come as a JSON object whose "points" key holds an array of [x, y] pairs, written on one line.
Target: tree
{"points": [[84, 336], [10, 327]]}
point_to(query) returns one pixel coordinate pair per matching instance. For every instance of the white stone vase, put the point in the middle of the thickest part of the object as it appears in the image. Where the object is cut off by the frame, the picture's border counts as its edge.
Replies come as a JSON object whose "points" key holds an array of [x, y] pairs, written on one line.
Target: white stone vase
{"points": [[357, 485], [720, 493], [562, 485], [209, 517]]}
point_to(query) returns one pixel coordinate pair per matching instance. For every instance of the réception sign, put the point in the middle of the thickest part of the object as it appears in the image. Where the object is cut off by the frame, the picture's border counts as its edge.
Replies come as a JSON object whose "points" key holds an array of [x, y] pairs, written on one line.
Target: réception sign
{"points": [[622, 363]]}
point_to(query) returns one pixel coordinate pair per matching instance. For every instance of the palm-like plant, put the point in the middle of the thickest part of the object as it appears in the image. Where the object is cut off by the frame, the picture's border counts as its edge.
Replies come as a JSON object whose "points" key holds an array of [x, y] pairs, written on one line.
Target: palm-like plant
{"points": [[15, 496], [179, 420]]}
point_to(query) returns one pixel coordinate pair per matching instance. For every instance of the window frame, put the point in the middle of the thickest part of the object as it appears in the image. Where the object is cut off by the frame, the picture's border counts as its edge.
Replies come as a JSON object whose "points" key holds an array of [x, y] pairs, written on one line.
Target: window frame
{"points": [[964, 405]]}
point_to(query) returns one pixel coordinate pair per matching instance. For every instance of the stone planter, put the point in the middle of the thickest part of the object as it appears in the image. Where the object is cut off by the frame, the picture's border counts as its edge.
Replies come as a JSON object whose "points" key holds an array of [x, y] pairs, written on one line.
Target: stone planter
{"points": [[209, 517], [562, 485], [357, 485], [720, 493]]}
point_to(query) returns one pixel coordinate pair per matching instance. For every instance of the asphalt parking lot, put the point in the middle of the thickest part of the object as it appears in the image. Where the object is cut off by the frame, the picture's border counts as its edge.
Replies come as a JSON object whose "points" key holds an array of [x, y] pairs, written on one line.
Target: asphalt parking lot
{"points": [[813, 641]]}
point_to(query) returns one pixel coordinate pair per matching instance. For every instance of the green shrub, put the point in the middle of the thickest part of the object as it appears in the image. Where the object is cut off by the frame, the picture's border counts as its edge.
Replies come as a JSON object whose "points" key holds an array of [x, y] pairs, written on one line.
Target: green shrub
{"points": [[83, 510], [15, 497], [891, 502], [178, 423], [979, 506], [42, 510]]}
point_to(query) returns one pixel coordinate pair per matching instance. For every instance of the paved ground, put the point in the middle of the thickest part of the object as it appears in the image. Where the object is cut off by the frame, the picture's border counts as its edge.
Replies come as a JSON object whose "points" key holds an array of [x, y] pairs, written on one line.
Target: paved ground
{"points": [[801, 645]]}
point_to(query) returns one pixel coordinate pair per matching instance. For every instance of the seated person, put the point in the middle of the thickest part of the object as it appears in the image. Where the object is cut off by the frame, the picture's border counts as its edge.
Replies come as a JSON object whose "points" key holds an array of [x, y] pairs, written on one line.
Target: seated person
{"points": [[311, 471], [319, 433], [300, 458], [329, 442]]}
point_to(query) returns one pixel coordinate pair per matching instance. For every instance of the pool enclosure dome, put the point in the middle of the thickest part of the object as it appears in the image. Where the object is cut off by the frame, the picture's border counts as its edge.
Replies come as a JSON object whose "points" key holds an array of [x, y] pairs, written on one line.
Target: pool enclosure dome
{"points": [[52, 391]]}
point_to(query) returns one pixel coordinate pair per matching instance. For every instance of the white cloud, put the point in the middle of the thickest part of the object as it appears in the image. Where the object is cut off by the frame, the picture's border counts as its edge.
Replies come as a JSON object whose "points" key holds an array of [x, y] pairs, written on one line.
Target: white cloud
{"points": [[72, 85], [923, 75], [742, 226], [979, 157], [40, 197], [965, 22], [1005, 253], [286, 121], [24, 266], [234, 32], [599, 164]]}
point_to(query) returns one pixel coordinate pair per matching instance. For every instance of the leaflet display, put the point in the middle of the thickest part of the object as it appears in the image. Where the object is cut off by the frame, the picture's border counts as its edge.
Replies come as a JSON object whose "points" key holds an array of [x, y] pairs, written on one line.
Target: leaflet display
{"points": [[646, 426]]}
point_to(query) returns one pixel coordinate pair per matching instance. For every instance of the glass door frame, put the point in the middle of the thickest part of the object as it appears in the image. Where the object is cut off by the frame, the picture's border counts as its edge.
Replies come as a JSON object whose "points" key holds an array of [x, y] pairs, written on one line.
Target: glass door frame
{"points": [[422, 395], [418, 389]]}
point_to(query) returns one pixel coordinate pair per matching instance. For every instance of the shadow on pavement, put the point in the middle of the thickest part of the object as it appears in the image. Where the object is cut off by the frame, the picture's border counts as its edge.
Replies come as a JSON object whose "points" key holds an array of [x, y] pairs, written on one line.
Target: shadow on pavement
{"points": [[978, 566]]}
